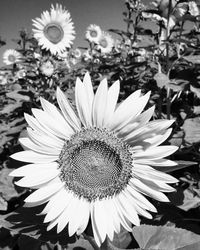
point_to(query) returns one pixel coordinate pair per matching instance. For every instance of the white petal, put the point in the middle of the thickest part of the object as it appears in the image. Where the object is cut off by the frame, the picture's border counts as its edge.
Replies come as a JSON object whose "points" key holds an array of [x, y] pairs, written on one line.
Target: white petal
{"points": [[89, 90], [67, 110], [84, 220], [81, 210], [141, 187], [82, 104], [127, 209], [98, 222], [158, 139], [43, 194], [146, 172], [38, 178], [140, 199], [57, 204], [33, 157], [55, 114], [42, 149], [99, 104], [52, 125], [156, 153], [32, 168], [129, 108], [123, 220], [44, 140], [139, 210], [136, 122], [148, 130], [112, 97], [157, 162], [67, 214]]}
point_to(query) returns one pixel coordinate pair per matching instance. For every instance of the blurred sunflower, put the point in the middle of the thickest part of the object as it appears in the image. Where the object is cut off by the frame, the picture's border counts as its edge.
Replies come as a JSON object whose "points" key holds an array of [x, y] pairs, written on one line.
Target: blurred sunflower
{"points": [[47, 68], [77, 53], [93, 33], [11, 56], [54, 30], [105, 43], [95, 164]]}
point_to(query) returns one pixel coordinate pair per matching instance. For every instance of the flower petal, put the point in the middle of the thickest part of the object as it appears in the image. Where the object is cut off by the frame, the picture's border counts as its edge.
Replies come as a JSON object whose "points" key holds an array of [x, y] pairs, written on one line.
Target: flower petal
{"points": [[33, 157], [67, 110], [112, 97], [43, 194], [32, 168], [155, 153], [99, 104], [83, 107]]}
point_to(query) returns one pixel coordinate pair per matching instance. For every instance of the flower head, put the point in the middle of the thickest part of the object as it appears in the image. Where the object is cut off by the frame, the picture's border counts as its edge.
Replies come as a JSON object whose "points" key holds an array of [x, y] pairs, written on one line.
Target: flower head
{"points": [[47, 68], [105, 43], [77, 53], [93, 33], [54, 30], [96, 164], [11, 56]]}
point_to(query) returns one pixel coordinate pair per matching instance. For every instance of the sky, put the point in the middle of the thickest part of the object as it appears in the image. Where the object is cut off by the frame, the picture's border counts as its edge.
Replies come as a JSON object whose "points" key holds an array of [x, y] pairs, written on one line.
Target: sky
{"points": [[18, 14]]}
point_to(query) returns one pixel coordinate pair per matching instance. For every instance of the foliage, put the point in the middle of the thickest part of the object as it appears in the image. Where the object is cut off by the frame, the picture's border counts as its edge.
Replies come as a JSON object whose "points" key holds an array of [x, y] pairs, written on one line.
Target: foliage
{"points": [[158, 51]]}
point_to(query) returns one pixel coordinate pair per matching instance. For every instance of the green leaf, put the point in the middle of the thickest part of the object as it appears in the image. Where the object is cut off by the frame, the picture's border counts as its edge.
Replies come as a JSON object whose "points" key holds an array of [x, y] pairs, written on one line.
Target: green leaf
{"points": [[165, 238]]}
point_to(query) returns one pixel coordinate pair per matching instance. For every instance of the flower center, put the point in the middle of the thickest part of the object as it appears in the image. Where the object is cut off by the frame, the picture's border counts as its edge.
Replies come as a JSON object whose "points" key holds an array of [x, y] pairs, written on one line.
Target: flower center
{"points": [[54, 32], [93, 33], [95, 164], [103, 43], [11, 58]]}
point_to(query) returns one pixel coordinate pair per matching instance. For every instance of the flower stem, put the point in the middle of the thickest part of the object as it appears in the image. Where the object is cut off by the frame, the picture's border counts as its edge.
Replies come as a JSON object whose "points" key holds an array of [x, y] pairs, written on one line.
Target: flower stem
{"points": [[91, 241]]}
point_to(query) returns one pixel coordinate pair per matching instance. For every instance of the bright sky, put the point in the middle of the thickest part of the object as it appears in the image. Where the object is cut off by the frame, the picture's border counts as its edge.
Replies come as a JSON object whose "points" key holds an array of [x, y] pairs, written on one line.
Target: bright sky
{"points": [[17, 14]]}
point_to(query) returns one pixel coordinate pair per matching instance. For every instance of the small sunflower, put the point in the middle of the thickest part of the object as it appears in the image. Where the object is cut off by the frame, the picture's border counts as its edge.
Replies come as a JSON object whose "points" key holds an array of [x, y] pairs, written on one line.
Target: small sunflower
{"points": [[47, 68], [105, 43], [54, 30], [11, 56], [93, 33], [77, 53], [97, 164]]}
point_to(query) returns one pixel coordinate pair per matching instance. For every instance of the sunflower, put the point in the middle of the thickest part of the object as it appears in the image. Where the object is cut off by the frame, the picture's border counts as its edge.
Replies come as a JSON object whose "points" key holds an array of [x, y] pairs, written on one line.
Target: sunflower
{"points": [[96, 163], [54, 30], [93, 33], [11, 56], [47, 68], [105, 43]]}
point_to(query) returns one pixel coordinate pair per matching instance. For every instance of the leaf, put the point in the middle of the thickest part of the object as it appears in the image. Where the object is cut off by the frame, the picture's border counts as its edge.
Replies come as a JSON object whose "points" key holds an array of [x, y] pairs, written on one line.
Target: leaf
{"points": [[196, 91], [81, 244], [165, 238], [26, 242], [191, 127], [7, 240], [6, 185], [27, 221], [16, 96], [162, 80], [195, 59], [189, 201], [10, 108]]}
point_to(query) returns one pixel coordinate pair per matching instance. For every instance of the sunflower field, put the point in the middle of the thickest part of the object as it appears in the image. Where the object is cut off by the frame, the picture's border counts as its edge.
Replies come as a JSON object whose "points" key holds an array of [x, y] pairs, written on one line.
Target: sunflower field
{"points": [[100, 145]]}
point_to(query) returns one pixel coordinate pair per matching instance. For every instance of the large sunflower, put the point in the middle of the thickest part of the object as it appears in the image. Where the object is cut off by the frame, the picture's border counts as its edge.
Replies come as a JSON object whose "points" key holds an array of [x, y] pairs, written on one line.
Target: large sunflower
{"points": [[98, 164], [54, 30]]}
